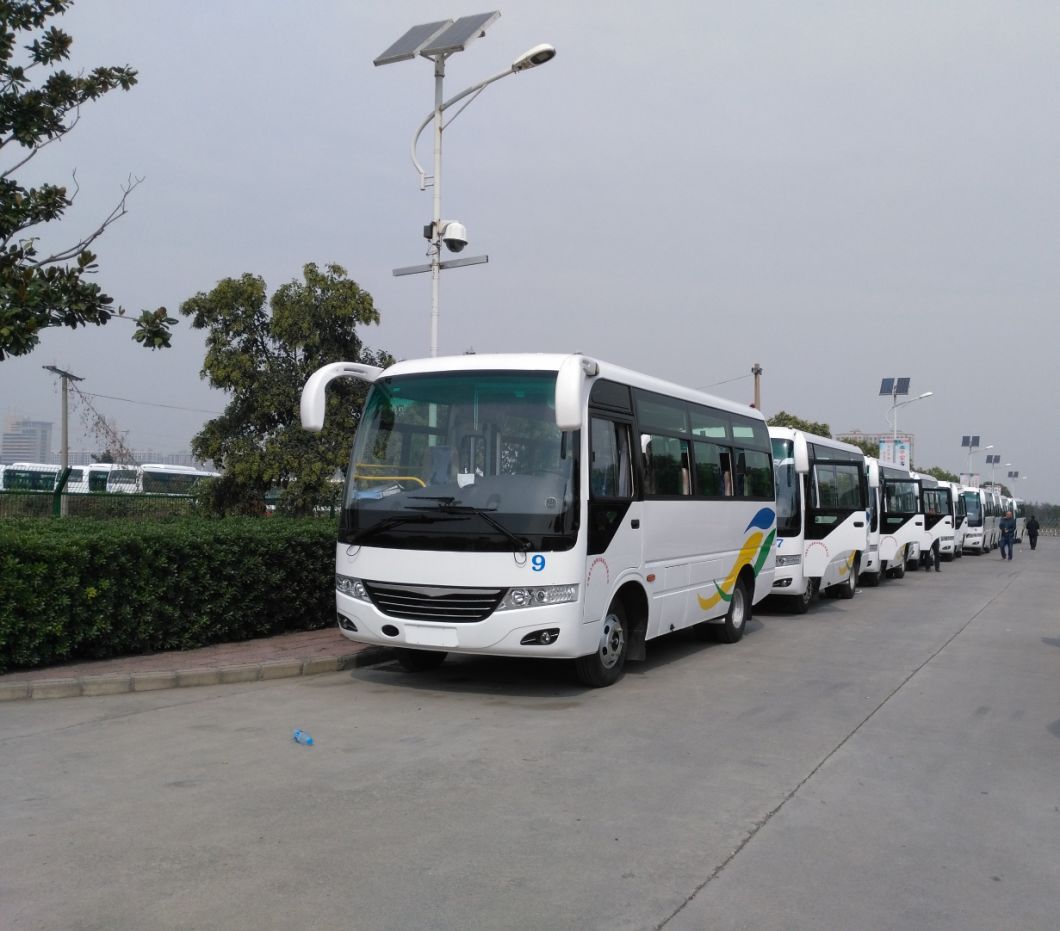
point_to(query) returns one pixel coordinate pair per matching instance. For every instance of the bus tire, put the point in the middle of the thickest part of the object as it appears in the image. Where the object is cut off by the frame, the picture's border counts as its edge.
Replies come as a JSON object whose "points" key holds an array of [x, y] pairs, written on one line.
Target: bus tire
{"points": [[605, 666], [420, 660], [731, 629], [871, 579], [848, 589], [801, 603]]}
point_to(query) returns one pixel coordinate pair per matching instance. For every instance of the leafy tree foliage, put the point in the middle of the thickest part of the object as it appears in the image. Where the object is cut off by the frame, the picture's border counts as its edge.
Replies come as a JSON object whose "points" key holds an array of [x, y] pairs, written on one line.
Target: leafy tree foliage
{"points": [[784, 419], [941, 474], [262, 352], [39, 106]]}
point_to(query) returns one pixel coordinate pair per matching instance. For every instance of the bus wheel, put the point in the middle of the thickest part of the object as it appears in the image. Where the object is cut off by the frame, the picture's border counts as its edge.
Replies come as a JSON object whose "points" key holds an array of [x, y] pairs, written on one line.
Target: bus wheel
{"points": [[898, 570], [420, 660], [801, 603], [731, 629], [604, 667], [851, 586], [870, 579]]}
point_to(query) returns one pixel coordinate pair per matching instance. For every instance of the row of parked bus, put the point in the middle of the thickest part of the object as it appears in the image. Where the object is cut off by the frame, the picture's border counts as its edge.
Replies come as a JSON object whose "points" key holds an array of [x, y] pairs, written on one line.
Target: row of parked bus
{"points": [[101, 478], [844, 517], [559, 506]]}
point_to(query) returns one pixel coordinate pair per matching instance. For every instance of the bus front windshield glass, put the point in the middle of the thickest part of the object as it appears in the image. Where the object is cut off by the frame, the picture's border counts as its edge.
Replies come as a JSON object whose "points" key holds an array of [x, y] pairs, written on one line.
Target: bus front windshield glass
{"points": [[901, 497], [789, 499], [469, 461], [973, 506]]}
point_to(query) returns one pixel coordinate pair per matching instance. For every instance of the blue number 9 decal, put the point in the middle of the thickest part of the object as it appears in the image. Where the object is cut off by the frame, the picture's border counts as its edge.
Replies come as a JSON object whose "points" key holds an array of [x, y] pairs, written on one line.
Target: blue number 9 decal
{"points": [[537, 563]]}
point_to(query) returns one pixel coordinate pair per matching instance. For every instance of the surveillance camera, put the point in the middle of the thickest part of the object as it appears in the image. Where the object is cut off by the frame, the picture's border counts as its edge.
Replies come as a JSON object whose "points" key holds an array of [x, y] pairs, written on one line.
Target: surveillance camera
{"points": [[454, 235]]}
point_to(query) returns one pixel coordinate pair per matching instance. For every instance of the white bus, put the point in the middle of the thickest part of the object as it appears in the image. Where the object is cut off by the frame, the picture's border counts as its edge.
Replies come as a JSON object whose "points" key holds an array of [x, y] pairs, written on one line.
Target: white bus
{"points": [[546, 505], [901, 520], [156, 479], [960, 521], [822, 515], [871, 565], [44, 476], [936, 506], [979, 535]]}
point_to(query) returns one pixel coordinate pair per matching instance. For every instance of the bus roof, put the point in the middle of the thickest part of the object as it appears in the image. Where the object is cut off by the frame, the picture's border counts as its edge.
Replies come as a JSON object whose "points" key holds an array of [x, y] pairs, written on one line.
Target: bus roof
{"points": [[551, 362]]}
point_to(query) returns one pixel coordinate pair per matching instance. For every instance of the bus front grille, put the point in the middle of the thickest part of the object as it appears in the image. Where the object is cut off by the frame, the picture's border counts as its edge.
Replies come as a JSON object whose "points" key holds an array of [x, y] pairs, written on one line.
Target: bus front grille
{"points": [[434, 602]]}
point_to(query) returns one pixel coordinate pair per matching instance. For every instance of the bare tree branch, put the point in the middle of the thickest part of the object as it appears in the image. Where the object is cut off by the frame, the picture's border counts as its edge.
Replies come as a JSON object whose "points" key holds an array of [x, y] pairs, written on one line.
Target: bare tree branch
{"points": [[116, 214]]}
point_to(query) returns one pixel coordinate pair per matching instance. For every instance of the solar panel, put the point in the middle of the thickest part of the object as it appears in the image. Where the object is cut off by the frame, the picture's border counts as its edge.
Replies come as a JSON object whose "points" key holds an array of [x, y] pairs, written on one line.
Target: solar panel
{"points": [[993, 460], [902, 387], [460, 34], [409, 45], [975, 440], [886, 386]]}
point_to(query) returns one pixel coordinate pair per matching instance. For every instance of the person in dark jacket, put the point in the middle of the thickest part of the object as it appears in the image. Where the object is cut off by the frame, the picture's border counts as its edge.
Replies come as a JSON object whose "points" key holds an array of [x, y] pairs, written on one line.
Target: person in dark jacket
{"points": [[1032, 531], [1008, 534]]}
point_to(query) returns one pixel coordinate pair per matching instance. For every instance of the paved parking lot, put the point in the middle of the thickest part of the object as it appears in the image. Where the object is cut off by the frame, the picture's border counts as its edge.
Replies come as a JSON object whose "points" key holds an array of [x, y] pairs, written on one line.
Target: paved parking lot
{"points": [[887, 762]]}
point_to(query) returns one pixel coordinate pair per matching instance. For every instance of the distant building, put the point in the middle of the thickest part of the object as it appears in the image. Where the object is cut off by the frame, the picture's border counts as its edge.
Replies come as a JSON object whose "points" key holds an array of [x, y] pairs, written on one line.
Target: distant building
{"points": [[26, 441]]}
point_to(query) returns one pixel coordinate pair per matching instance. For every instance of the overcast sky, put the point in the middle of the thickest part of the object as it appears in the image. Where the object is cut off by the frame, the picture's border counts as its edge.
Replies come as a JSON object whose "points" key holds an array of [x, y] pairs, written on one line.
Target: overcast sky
{"points": [[838, 191]]}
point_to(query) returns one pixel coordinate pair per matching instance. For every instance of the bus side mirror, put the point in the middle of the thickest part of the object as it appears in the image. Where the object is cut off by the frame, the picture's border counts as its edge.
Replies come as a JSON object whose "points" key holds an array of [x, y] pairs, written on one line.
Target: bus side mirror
{"points": [[572, 373], [314, 398], [801, 455]]}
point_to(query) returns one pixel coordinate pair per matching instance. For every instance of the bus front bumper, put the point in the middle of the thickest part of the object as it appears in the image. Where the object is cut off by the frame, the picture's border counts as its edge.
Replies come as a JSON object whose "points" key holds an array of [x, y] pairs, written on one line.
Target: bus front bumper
{"points": [[554, 631]]}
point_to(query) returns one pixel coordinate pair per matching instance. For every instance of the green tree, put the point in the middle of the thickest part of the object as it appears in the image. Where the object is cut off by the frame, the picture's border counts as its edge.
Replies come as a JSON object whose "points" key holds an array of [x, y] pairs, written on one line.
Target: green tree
{"points": [[941, 474], [262, 352], [784, 419], [39, 105]]}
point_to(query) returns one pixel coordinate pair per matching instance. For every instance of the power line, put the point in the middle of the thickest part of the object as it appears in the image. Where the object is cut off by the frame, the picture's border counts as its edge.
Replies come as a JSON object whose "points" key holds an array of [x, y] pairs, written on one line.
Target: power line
{"points": [[715, 384], [172, 407]]}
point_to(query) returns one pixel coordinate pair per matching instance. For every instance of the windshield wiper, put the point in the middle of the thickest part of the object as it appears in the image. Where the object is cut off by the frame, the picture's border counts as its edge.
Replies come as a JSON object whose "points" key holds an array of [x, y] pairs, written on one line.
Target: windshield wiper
{"points": [[395, 521], [449, 505]]}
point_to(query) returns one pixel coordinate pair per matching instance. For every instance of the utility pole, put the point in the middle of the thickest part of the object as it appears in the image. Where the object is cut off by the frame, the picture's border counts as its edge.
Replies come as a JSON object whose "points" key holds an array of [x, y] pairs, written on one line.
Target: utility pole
{"points": [[64, 454], [756, 370]]}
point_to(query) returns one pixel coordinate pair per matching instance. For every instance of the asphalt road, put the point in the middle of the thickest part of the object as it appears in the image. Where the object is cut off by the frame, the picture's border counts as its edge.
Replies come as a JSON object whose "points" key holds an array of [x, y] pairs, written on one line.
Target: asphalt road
{"points": [[887, 762]]}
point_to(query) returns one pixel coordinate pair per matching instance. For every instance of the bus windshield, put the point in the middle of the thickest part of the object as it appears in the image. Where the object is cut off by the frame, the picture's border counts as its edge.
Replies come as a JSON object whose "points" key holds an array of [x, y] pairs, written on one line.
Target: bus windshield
{"points": [[789, 498], [462, 461], [973, 508], [901, 497]]}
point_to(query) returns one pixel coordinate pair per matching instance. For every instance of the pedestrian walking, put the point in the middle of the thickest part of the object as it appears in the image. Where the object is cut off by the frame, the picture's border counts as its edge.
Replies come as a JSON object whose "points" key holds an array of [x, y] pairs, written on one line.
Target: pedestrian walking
{"points": [[1008, 534], [1032, 531]]}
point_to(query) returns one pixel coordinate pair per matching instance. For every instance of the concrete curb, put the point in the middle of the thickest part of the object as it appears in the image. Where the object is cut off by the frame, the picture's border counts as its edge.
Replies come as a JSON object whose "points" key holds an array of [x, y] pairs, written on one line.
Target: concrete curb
{"points": [[117, 683]]}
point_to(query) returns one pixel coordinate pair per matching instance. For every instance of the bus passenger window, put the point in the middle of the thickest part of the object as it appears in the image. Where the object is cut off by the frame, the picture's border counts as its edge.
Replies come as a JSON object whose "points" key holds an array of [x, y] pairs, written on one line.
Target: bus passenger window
{"points": [[666, 461], [726, 474]]}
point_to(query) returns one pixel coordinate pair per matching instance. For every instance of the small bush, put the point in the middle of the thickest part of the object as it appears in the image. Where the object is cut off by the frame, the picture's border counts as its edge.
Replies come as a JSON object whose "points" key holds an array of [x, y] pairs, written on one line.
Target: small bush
{"points": [[83, 589]]}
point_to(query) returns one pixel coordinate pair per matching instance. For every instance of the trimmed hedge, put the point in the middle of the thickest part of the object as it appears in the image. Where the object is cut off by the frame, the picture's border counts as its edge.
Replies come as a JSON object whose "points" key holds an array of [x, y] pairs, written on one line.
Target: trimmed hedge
{"points": [[78, 589]]}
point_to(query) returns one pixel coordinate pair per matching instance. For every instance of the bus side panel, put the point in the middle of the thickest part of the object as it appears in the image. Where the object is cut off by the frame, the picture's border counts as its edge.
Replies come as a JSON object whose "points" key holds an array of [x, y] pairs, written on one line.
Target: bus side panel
{"points": [[696, 550]]}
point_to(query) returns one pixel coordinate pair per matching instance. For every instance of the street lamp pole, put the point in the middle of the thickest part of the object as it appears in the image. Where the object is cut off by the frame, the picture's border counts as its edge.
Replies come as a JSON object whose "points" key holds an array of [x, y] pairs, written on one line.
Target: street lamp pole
{"points": [[894, 409], [437, 41]]}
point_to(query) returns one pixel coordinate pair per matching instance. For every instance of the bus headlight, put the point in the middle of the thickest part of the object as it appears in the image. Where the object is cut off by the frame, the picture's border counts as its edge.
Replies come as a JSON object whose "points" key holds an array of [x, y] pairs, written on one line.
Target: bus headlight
{"points": [[538, 596], [788, 561], [348, 585]]}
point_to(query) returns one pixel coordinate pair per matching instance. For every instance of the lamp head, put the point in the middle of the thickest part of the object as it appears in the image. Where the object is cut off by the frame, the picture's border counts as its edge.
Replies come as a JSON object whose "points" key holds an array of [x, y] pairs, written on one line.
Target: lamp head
{"points": [[538, 55]]}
